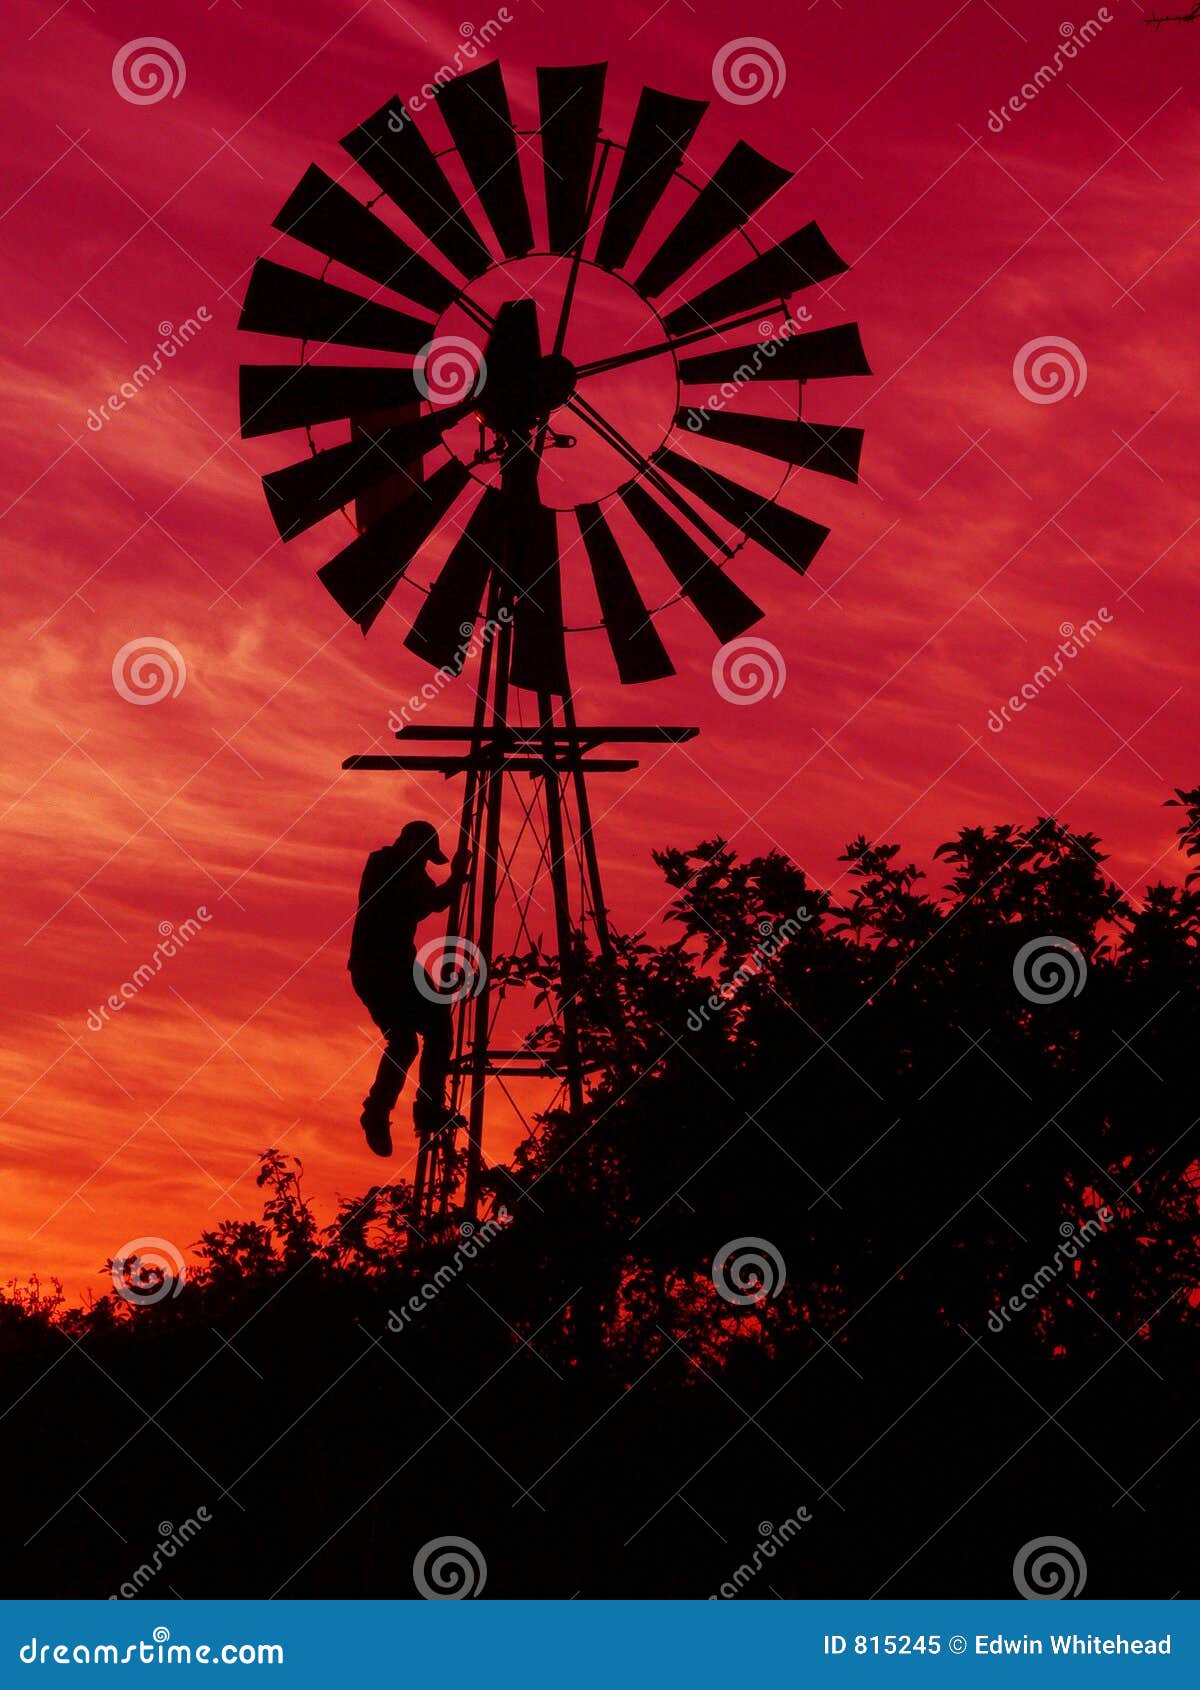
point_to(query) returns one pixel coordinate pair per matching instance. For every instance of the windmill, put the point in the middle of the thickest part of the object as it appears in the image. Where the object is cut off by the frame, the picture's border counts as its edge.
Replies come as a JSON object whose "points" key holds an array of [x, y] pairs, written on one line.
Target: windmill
{"points": [[488, 406]]}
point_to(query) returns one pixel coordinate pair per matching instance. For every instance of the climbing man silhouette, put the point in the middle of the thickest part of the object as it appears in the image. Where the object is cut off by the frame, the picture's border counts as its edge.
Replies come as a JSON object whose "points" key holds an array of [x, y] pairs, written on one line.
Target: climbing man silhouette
{"points": [[397, 894]]}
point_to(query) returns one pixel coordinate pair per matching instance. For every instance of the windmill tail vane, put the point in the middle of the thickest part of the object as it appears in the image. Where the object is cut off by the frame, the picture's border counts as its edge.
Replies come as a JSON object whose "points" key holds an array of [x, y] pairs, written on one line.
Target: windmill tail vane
{"points": [[458, 374]]}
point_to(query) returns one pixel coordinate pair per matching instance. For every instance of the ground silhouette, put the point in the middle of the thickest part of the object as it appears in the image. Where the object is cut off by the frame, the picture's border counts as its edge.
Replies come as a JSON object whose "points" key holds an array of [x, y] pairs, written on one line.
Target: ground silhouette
{"points": [[885, 1209]]}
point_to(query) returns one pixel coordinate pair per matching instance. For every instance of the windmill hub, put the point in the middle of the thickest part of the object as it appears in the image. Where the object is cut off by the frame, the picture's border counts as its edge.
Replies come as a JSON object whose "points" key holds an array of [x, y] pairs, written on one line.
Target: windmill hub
{"points": [[530, 385], [555, 381], [518, 400]]}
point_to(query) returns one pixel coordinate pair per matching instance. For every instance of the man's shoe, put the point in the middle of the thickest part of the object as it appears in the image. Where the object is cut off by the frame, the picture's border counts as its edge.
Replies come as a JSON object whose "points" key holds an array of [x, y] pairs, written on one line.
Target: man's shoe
{"points": [[430, 1118], [378, 1130]]}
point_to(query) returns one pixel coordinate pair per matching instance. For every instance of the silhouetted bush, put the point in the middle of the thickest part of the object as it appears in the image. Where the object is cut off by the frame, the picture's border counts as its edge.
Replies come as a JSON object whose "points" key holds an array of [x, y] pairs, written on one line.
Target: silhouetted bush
{"points": [[964, 1158]]}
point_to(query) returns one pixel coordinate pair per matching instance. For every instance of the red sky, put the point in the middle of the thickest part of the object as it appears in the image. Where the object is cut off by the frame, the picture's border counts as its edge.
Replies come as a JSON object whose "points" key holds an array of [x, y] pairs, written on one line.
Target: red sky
{"points": [[984, 523]]}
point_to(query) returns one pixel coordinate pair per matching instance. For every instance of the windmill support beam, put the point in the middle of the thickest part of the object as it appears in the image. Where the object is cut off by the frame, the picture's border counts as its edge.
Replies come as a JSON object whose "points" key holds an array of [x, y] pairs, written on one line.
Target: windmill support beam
{"points": [[513, 750], [567, 970], [452, 765], [571, 735]]}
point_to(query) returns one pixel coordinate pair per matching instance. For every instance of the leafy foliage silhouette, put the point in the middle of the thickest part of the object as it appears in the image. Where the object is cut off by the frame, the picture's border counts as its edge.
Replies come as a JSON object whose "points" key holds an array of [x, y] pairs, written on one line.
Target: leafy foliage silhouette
{"points": [[856, 1079]]}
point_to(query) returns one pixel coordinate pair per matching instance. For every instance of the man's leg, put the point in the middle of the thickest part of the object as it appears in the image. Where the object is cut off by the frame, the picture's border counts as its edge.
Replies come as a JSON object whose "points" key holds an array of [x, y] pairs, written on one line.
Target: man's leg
{"points": [[394, 1064], [437, 1036], [399, 1030]]}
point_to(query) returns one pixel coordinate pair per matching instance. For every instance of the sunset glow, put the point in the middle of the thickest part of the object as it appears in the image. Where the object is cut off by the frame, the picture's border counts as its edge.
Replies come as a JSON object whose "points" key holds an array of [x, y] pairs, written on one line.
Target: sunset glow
{"points": [[206, 848]]}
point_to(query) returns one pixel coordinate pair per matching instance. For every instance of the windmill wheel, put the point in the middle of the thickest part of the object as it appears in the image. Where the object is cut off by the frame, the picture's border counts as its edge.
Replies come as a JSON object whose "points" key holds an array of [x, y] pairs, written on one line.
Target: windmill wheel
{"points": [[486, 377]]}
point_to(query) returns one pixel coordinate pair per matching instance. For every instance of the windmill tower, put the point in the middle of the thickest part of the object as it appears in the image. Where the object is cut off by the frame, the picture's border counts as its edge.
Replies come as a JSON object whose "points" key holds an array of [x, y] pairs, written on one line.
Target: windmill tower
{"points": [[458, 446]]}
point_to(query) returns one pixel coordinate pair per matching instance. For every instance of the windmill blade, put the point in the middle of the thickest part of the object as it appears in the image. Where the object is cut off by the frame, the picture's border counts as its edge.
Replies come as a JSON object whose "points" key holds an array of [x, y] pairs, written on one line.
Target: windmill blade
{"points": [[639, 653], [475, 109], [794, 539], [364, 573], [824, 447], [663, 127], [395, 154], [743, 182], [383, 496], [802, 357], [322, 214], [302, 493], [453, 601], [570, 98], [803, 259], [530, 550], [283, 301], [723, 605], [280, 396]]}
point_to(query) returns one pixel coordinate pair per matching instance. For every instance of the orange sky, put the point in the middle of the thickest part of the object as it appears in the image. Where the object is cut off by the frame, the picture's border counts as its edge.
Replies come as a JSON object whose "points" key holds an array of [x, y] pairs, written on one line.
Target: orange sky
{"points": [[983, 524]]}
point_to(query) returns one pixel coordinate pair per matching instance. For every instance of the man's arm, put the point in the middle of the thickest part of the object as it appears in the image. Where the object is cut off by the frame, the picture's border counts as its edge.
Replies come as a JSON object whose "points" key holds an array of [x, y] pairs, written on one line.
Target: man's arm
{"points": [[445, 894]]}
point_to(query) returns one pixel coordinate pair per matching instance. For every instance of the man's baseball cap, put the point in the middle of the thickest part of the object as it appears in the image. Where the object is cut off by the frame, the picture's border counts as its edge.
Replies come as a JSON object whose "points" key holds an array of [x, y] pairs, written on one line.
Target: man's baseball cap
{"points": [[419, 840]]}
